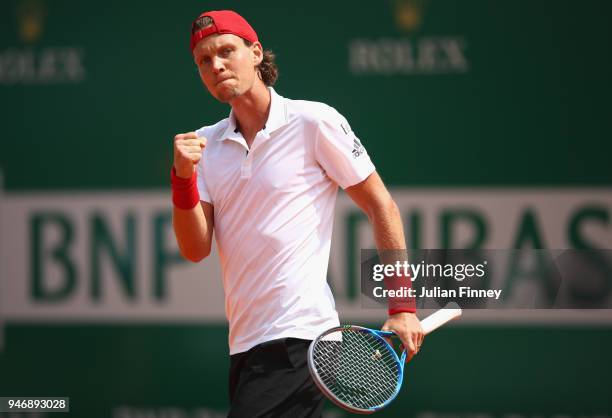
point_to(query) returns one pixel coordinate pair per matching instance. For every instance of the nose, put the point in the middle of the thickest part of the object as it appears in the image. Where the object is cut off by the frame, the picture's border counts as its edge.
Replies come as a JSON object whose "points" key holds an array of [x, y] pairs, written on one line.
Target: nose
{"points": [[217, 65]]}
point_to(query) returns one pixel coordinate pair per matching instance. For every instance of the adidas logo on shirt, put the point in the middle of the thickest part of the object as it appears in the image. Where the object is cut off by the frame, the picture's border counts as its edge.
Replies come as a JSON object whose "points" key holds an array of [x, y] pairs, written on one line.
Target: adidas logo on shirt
{"points": [[357, 148]]}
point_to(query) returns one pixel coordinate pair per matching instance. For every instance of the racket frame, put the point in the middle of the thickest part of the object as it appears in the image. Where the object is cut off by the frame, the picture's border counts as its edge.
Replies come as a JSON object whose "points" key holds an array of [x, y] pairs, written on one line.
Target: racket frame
{"points": [[381, 335], [431, 323]]}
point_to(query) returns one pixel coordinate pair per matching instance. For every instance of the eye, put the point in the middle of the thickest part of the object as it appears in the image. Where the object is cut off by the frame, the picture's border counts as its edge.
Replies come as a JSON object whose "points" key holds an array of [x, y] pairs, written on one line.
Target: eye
{"points": [[205, 60], [226, 52]]}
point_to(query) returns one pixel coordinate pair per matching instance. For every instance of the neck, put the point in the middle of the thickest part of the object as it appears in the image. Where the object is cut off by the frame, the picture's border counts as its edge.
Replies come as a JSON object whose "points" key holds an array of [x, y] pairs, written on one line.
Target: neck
{"points": [[251, 110]]}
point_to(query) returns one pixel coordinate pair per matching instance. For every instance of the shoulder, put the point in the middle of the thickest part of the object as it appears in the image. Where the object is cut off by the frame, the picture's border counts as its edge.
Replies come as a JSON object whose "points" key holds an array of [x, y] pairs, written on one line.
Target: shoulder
{"points": [[212, 132], [310, 111]]}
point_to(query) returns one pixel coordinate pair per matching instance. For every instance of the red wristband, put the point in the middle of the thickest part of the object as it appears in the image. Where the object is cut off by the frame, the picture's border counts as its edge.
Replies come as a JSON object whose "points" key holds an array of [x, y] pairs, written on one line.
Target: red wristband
{"points": [[184, 191], [399, 304], [399, 310]]}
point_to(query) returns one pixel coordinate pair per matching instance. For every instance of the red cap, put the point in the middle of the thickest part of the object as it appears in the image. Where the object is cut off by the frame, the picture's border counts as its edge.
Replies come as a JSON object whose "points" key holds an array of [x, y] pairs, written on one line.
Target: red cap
{"points": [[221, 21]]}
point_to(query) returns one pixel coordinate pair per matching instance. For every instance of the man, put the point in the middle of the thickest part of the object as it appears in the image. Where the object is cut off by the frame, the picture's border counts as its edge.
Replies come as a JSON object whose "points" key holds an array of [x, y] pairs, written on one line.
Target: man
{"points": [[265, 180]]}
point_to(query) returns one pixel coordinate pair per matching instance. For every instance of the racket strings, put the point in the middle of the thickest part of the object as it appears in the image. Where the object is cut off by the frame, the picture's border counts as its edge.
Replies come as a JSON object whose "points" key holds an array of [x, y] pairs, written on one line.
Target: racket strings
{"points": [[357, 367]]}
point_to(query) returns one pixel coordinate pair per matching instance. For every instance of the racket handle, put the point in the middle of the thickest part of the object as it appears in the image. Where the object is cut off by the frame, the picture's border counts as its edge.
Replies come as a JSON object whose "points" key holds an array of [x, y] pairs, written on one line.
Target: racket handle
{"points": [[441, 317]]}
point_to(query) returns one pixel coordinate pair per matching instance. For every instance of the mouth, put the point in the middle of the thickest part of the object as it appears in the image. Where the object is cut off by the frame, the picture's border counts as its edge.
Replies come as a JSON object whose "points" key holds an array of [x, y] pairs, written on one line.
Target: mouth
{"points": [[223, 80]]}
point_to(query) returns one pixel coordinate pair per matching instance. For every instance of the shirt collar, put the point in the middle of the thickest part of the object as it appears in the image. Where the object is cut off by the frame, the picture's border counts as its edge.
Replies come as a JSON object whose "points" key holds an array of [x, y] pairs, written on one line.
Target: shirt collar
{"points": [[277, 118], [278, 112]]}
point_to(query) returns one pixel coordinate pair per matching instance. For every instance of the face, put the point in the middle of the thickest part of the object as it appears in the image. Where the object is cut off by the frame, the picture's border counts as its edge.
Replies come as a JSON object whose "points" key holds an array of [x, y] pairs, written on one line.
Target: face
{"points": [[227, 66]]}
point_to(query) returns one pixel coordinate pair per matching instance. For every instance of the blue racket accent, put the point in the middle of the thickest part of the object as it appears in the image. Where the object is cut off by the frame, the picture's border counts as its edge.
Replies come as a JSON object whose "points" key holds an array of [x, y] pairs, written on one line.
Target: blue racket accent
{"points": [[356, 368]]}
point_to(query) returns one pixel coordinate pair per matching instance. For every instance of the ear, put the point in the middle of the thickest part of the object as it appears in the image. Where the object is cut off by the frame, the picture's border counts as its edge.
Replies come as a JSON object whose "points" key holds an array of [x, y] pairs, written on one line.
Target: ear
{"points": [[257, 53]]}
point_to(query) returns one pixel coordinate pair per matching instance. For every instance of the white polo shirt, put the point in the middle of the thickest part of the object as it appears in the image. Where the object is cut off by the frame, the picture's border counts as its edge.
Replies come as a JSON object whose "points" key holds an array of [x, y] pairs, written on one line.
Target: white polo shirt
{"points": [[274, 209]]}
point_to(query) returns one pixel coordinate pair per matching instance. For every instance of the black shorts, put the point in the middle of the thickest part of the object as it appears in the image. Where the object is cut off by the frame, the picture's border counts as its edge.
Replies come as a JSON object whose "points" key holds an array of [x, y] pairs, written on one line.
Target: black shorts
{"points": [[272, 380]]}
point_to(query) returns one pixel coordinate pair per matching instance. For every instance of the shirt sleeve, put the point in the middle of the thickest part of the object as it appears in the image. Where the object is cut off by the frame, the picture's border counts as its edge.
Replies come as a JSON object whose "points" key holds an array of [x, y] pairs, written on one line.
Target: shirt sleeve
{"points": [[339, 151], [201, 173]]}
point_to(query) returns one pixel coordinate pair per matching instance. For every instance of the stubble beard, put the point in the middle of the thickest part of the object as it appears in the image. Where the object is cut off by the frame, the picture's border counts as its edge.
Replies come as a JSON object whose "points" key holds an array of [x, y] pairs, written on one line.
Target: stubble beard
{"points": [[226, 95]]}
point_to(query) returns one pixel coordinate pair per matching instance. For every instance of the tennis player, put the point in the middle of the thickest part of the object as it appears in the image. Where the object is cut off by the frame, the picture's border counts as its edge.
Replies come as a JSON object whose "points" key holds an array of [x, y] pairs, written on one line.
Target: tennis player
{"points": [[265, 181]]}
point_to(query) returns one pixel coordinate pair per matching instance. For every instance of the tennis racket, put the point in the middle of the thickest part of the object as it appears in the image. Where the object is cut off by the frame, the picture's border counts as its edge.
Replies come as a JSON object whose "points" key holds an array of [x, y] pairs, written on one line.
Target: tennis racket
{"points": [[357, 369]]}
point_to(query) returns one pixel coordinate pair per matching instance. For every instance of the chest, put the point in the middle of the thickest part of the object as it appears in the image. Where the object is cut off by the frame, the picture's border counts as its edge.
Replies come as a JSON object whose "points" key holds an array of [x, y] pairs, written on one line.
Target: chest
{"points": [[280, 164]]}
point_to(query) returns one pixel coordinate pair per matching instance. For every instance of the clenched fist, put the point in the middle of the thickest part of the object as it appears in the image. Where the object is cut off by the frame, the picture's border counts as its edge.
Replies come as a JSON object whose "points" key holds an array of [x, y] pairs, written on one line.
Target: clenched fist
{"points": [[187, 153]]}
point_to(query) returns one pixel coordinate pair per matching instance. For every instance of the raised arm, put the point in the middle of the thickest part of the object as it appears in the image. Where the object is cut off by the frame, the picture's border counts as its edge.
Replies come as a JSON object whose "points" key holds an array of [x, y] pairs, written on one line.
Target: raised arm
{"points": [[192, 219]]}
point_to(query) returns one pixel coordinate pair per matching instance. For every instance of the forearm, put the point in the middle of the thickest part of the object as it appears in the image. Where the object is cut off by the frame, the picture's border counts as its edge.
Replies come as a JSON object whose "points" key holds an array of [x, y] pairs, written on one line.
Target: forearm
{"points": [[387, 226], [193, 234], [389, 236], [192, 218], [376, 202], [391, 245]]}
